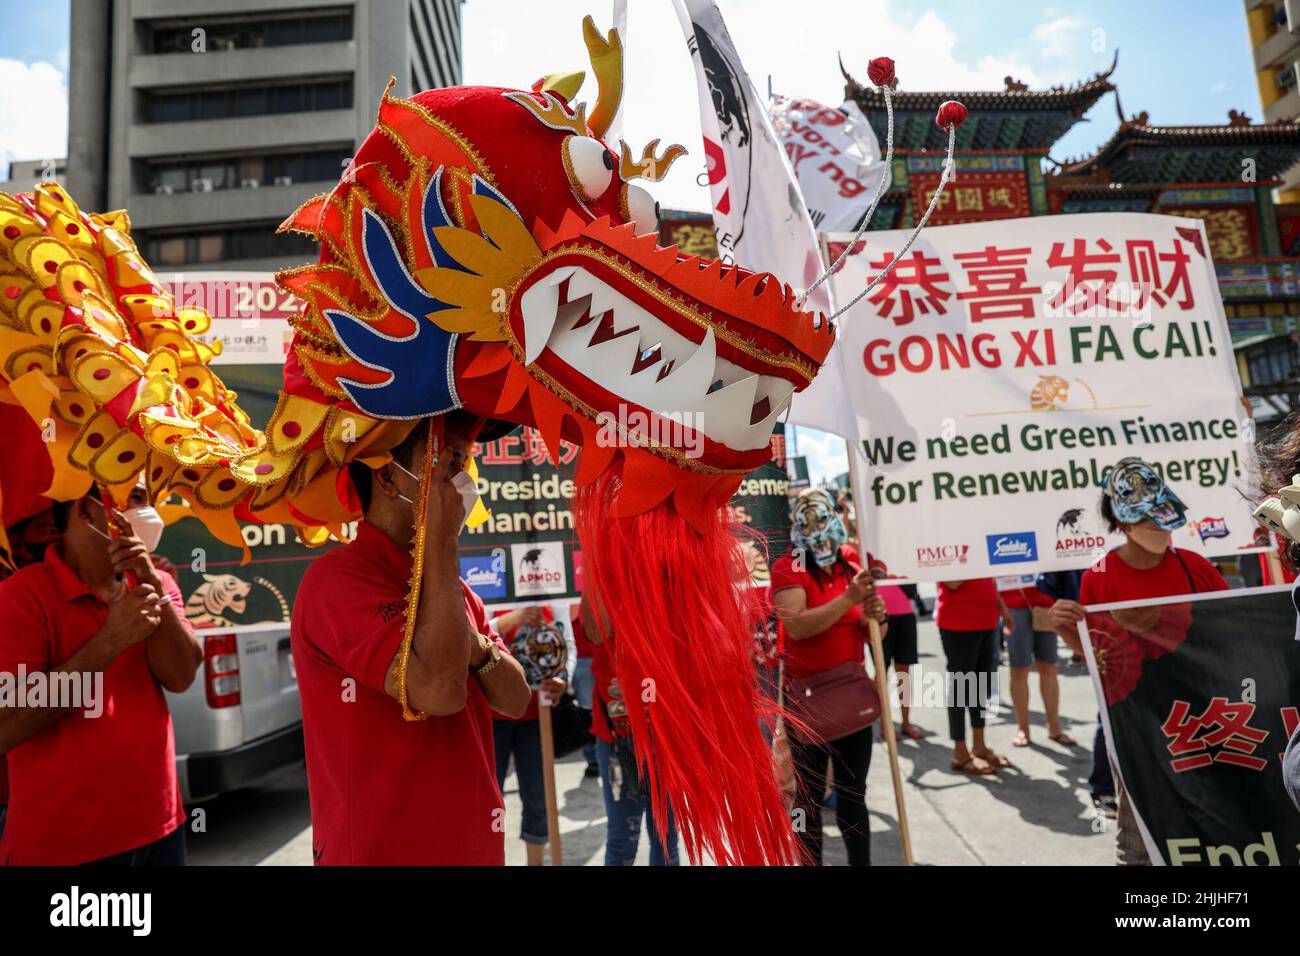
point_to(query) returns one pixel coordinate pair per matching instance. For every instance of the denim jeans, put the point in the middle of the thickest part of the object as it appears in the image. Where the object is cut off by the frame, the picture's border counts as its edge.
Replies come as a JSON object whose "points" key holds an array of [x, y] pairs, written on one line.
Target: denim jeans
{"points": [[623, 821], [165, 851], [1100, 782], [768, 687], [584, 686], [523, 739]]}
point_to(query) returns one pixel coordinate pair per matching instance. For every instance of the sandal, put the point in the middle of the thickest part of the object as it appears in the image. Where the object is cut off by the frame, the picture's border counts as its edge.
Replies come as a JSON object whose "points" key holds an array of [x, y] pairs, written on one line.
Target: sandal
{"points": [[996, 759], [1064, 739], [1022, 740], [912, 732], [974, 766]]}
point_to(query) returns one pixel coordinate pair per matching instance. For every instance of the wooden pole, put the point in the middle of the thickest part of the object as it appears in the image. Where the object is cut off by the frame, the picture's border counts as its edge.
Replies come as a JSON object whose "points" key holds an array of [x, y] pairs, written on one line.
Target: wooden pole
{"points": [[548, 778], [882, 685], [891, 741]]}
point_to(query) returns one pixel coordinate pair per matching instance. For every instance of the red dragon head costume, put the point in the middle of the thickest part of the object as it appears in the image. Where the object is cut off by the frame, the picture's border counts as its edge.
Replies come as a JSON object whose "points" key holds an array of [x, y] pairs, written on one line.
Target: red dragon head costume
{"points": [[488, 251]]}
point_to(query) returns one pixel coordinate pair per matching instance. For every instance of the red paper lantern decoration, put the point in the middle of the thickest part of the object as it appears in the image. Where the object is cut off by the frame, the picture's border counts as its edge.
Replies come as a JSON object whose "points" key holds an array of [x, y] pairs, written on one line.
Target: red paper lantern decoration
{"points": [[951, 115], [881, 72]]}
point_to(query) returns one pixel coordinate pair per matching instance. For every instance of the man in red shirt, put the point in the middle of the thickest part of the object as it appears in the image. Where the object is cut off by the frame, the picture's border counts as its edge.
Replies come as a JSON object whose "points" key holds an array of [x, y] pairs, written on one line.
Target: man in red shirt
{"points": [[93, 779], [385, 790]]}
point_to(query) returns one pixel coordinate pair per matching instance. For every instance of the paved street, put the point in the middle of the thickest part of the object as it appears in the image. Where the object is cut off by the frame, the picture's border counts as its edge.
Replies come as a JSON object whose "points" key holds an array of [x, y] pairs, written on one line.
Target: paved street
{"points": [[1038, 812]]}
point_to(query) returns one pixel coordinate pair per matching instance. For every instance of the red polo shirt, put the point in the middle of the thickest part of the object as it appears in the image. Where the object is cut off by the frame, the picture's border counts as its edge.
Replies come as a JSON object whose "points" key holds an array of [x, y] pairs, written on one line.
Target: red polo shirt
{"points": [[1116, 580], [385, 791], [971, 607], [86, 787], [840, 643]]}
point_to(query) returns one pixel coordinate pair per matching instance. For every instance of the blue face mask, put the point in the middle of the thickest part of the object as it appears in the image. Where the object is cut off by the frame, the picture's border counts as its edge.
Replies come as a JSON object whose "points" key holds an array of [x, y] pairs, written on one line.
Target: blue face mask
{"points": [[817, 528]]}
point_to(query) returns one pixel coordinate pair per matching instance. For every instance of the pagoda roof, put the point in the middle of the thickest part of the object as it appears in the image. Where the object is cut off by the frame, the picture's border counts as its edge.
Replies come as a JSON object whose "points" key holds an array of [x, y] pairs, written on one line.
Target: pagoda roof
{"points": [[1140, 152], [1016, 118]]}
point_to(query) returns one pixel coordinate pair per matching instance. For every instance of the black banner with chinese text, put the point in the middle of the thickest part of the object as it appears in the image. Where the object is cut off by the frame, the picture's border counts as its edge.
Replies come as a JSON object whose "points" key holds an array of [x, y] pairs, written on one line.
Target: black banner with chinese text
{"points": [[1201, 696]]}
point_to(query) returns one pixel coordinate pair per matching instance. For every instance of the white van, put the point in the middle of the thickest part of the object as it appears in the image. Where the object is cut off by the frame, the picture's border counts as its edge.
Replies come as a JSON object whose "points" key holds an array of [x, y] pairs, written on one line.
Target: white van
{"points": [[241, 719]]}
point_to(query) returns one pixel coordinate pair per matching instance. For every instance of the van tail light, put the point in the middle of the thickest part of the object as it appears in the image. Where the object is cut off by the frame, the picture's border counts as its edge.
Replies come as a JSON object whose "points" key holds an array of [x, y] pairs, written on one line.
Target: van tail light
{"points": [[221, 669]]}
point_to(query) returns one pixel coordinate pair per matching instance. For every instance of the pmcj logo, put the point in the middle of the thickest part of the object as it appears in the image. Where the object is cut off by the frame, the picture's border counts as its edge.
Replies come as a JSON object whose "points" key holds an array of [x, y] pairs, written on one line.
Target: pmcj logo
{"points": [[485, 574], [1013, 547]]}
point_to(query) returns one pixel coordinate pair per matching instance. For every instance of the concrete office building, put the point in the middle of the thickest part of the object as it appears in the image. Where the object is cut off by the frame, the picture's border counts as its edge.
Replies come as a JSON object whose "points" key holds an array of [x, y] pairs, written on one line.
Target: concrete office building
{"points": [[25, 174], [212, 120], [1274, 30]]}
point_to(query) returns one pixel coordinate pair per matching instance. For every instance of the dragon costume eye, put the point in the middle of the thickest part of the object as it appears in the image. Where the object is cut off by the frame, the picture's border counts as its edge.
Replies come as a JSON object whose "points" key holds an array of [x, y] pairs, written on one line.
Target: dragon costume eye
{"points": [[590, 166], [641, 209]]}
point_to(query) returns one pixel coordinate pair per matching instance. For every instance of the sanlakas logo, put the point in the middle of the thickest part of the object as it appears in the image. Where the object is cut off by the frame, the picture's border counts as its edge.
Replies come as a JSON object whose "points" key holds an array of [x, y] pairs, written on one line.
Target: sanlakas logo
{"points": [[1012, 547], [486, 574]]}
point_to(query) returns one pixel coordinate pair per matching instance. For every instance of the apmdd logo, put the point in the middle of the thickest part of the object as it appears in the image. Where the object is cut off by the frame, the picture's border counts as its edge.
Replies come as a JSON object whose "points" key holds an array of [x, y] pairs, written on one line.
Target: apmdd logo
{"points": [[486, 574], [1012, 547], [538, 568]]}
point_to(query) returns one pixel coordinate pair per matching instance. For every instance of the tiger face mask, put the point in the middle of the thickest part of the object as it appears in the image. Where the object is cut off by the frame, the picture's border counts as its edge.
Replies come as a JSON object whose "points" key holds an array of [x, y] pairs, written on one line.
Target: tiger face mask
{"points": [[817, 528]]}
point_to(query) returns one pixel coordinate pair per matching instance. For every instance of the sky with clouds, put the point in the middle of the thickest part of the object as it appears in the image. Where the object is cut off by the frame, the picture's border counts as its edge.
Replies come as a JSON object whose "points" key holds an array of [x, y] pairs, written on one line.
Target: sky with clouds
{"points": [[1183, 62]]}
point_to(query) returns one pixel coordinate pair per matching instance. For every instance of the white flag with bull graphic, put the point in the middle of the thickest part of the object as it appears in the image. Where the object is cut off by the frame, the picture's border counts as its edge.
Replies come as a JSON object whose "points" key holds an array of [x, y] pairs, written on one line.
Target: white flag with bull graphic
{"points": [[759, 213]]}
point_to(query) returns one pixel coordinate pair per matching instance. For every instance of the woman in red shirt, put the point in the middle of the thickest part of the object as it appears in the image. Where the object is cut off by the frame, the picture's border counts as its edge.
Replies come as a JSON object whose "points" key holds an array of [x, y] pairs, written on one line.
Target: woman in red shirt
{"points": [[820, 591], [968, 616], [1137, 501]]}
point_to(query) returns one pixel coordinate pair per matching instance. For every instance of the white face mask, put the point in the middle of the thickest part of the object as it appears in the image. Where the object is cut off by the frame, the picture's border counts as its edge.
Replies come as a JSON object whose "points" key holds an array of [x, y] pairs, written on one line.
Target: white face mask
{"points": [[147, 525], [462, 482]]}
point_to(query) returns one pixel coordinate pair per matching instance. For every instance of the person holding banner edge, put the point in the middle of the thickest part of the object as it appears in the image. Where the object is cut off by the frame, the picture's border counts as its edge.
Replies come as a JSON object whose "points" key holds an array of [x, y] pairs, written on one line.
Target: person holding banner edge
{"points": [[821, 593], [1280, 471], [1136, 501]]}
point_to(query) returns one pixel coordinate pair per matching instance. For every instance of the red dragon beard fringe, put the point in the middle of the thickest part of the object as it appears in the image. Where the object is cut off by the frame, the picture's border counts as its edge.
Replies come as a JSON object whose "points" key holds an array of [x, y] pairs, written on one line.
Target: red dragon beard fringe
{"points": [[683, 634]]}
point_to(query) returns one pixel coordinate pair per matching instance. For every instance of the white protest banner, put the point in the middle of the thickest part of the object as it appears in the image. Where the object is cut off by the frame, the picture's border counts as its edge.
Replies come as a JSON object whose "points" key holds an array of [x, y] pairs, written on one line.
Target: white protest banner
{"points": [[758, 212], [835, 157], [250, 313], [1003, 367]]}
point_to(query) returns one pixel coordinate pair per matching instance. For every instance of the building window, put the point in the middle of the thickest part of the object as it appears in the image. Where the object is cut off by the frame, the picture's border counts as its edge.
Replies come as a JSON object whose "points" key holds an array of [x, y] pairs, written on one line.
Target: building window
{"points": [[168, 252], [321, 27], [245, 172], [1273, 362], [174, 106], [252, 241]]}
